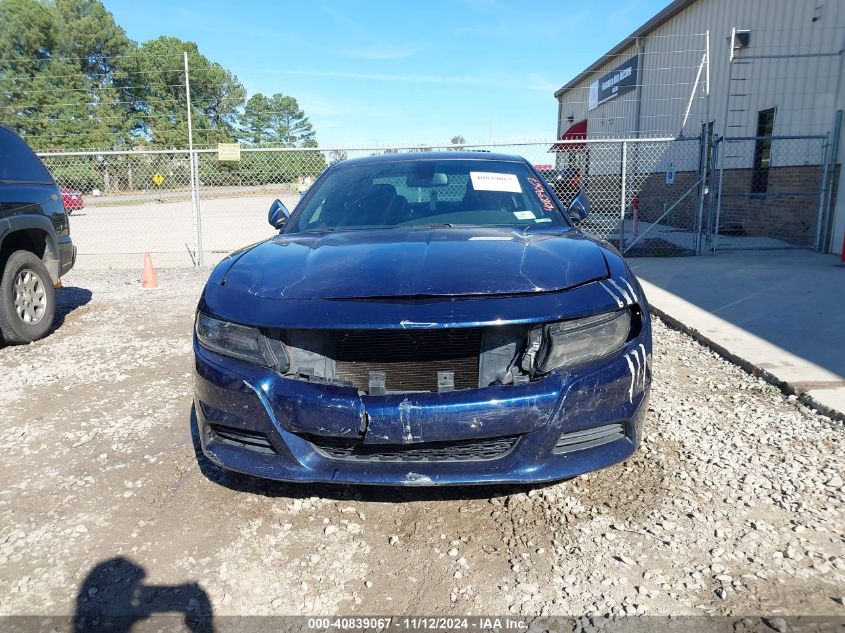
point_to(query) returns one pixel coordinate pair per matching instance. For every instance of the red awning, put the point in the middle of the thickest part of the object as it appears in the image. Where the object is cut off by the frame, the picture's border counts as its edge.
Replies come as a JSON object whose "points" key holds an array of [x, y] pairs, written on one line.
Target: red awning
{"points": [[576, 131]]}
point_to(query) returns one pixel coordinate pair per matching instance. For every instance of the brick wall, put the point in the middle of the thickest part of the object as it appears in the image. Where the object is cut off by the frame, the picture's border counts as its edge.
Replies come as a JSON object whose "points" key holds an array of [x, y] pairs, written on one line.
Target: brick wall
{"points": [[787, 211]]}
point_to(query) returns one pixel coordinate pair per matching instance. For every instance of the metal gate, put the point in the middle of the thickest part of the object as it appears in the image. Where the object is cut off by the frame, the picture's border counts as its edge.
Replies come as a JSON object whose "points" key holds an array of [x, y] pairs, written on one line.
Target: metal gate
{"points": [[645, 193], [665, 185], [768, 192]]}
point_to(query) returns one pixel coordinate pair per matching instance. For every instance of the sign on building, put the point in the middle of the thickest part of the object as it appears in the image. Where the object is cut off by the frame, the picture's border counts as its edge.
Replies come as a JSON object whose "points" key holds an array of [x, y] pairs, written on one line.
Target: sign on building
{"points": [[617, 82]]}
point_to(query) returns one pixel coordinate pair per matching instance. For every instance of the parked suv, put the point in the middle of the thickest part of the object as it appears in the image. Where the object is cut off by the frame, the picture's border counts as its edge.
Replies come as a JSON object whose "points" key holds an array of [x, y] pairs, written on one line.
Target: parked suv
{"points": [[35, 245]]}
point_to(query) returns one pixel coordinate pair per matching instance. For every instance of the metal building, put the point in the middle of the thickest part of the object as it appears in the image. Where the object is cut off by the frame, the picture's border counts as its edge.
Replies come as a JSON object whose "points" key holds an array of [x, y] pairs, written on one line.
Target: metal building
{"points": [[759, 83]]}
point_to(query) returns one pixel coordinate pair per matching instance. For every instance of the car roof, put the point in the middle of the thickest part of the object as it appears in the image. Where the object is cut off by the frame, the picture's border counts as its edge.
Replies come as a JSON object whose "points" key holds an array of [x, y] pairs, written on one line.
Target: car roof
{"points": [[440, 155], [18, 163]]}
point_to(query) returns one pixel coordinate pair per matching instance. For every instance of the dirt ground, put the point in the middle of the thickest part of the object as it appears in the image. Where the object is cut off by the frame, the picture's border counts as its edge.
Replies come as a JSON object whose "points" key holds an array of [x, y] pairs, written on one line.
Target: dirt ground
{"points": [[732, 506]]}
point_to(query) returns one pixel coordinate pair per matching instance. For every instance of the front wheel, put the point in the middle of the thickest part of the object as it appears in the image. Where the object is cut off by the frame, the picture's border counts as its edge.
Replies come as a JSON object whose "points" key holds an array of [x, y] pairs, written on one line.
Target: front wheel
{"points": [[27, 299]]}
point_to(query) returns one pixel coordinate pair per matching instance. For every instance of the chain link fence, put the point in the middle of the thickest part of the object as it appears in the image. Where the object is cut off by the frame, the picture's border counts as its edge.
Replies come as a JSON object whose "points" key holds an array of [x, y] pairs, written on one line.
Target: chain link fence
{"points": [[645, 193], [649, 196], [147, 201], [770, 192]]}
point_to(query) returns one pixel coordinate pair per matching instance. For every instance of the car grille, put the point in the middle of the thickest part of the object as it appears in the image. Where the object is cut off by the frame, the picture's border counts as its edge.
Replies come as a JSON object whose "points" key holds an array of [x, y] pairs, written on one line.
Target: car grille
{"points": [[409, 358], [457, 451], [589, 438]]}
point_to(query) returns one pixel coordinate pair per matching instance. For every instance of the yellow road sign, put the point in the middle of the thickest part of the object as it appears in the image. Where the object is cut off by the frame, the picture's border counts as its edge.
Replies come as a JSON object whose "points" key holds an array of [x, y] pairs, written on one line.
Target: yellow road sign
{"points": [[228, 151], [158, 179]]}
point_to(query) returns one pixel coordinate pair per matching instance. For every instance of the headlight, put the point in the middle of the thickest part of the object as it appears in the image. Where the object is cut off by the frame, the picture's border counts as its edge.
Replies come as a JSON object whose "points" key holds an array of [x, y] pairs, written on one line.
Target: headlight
{"points": [[579, 341], [241, 342]]}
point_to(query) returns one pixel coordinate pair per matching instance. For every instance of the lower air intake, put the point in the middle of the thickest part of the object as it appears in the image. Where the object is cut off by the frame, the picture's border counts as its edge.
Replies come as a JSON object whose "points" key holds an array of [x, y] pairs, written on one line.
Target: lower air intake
{"points": [[589, 438], [243, 438], [457, 451]]}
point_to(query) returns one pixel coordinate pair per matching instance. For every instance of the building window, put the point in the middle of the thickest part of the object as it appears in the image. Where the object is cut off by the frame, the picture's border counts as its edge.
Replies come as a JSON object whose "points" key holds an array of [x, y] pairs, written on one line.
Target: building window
{"points": [[763, 151]]}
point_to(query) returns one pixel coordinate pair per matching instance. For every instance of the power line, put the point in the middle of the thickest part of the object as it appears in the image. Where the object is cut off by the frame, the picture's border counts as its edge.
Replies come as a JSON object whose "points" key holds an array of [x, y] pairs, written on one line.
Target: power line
{"points": [[145, 113], [93, 58], [116, 73], [88, 89]]}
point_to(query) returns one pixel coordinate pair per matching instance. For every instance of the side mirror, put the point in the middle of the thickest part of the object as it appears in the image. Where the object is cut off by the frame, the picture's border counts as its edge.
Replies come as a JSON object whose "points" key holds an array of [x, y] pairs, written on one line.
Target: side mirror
{"points": [[579, 208], [278, 214]]}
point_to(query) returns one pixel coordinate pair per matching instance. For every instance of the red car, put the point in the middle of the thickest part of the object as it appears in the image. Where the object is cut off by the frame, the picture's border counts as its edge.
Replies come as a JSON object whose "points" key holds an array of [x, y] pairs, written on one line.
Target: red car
{"points": [[72, 199]]}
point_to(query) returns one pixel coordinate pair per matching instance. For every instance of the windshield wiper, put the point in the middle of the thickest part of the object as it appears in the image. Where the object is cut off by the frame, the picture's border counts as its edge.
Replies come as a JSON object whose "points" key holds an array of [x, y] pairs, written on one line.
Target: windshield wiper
{"points": [[435, 225]]}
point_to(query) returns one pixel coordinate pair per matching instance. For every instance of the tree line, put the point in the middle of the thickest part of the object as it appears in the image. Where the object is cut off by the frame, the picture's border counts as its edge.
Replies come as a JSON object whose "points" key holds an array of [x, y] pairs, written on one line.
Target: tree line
{"points": [[71, 78]]}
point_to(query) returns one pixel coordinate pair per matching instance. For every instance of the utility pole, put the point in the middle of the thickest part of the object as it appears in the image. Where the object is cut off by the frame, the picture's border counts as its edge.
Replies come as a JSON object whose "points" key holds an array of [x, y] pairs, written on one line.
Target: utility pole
{"points": [[192, 163]]}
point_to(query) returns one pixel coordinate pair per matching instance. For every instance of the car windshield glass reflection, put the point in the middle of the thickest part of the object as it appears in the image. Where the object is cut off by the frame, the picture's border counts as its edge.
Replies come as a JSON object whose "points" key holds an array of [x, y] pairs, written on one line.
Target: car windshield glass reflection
{"points": [[415, 193]]}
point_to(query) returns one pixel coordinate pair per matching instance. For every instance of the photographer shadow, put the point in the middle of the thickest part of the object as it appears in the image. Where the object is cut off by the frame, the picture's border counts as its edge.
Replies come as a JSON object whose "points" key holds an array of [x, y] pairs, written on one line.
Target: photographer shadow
{"points": [[114, 598]]}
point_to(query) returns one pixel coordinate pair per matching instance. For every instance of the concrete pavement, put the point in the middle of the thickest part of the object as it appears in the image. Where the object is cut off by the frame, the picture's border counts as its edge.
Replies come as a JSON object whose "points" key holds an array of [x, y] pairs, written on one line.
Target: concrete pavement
{"points": [[117, 236], [778, 313]]}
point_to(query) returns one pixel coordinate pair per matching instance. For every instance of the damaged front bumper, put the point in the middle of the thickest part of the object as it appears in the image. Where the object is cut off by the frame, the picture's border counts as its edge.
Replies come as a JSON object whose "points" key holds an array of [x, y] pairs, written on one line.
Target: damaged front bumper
{"points": [[254, 421]]}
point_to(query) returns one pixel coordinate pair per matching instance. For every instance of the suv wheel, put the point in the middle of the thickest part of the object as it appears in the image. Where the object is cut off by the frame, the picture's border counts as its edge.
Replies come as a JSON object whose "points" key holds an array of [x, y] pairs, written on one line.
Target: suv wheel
{"points": [[27, 299]]}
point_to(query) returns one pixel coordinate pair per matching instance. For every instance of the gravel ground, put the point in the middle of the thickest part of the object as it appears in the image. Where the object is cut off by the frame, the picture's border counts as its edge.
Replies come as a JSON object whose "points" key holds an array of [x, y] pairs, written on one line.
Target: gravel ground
{"points": [[732, 506]]}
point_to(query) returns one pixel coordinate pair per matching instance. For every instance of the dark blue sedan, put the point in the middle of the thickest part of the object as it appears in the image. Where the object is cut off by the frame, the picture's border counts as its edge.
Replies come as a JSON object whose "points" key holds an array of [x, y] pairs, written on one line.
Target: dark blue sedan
{"points": [[423, 319]]}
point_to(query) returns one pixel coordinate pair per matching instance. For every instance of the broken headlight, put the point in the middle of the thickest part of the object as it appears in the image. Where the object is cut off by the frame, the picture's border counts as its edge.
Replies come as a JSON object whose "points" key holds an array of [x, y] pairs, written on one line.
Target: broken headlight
{"points": [[579, 341], [241, 342]]}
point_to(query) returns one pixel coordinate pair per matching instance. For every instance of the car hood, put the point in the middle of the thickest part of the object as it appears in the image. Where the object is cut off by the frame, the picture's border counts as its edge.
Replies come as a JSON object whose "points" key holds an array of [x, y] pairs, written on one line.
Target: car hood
{"points": [[438, 262]]}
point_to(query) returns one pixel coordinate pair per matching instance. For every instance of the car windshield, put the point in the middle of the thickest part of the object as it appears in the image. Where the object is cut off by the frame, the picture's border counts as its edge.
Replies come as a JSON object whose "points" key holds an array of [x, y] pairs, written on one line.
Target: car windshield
{"points": [[426, 192]]}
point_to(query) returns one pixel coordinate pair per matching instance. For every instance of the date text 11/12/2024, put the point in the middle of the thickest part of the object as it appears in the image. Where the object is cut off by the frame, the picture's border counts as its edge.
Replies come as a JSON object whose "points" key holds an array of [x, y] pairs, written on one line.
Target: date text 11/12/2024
{"points": [[418, 623]]}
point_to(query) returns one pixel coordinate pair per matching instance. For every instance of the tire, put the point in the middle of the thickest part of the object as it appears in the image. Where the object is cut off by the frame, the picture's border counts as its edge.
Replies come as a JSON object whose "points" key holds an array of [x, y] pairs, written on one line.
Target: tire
{"points": [[27, 299]]}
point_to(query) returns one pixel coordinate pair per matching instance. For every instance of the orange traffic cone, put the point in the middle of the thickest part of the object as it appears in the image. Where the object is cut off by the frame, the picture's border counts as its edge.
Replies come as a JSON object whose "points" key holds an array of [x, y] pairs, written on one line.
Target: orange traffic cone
{"points": [[149, 280]]}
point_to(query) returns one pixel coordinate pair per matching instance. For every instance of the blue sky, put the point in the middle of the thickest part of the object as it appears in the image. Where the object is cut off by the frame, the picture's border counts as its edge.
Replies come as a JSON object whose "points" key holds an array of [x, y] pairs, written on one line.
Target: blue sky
{"points": [[421, 71]]}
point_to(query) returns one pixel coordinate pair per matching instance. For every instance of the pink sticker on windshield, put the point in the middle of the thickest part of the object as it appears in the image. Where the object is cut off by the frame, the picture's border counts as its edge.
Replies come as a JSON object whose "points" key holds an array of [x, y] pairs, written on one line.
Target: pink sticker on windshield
{"points": [[541, 194]]}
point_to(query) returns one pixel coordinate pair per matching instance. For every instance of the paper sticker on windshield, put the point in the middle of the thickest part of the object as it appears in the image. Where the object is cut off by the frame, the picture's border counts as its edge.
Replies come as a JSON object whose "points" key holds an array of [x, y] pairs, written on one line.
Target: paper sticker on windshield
{"points": [[490, 181], [524, 215]]}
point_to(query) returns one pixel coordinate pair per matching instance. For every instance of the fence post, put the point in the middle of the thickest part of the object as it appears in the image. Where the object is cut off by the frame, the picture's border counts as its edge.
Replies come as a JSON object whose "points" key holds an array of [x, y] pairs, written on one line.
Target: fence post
{"points": [[702, 193], [822, 186], [200, 259], [825, 243], [192, 164], [712, 194], [623, 196], [718, 218]]}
